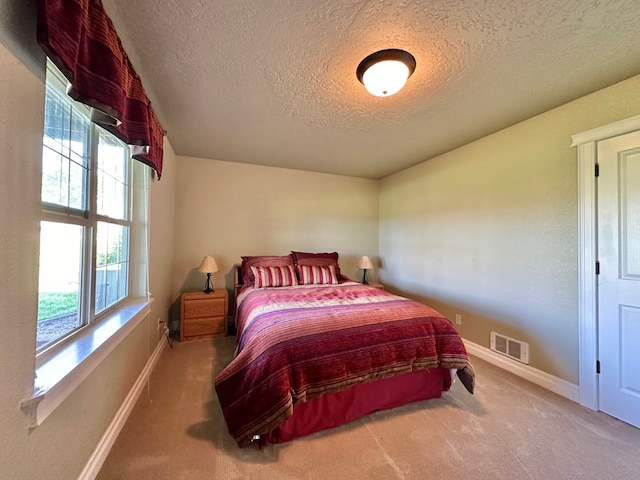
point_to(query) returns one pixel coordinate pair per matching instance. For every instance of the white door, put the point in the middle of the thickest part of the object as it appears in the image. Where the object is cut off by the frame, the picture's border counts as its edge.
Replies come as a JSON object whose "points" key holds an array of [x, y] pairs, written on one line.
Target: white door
{"points": [[619, 279]]}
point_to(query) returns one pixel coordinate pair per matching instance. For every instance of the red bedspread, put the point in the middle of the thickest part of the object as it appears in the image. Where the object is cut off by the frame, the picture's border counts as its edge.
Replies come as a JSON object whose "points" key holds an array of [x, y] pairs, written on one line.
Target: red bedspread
{"points": [[297, 343]]}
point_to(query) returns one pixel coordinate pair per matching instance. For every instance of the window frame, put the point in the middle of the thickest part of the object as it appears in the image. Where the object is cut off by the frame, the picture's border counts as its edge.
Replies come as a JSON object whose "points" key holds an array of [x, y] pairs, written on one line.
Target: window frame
{"points": [[88, 219], [62, 366]]}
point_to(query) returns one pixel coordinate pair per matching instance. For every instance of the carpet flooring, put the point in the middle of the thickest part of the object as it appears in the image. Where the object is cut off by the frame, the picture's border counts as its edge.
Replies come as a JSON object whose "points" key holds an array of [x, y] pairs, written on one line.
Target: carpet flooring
{"points": [[509, 429]]}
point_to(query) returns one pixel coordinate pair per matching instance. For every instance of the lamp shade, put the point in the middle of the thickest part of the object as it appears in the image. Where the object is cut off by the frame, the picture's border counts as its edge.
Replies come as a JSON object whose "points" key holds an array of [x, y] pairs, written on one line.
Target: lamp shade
{"points": [[365, 263], [208, 265], [385, 72]]}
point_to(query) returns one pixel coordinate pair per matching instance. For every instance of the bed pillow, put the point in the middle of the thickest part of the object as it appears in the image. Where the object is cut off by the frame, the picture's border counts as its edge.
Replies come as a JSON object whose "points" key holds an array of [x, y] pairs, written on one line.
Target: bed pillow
{"points": [[248, 277], [318, 259], [314, 275], [284, 276]]}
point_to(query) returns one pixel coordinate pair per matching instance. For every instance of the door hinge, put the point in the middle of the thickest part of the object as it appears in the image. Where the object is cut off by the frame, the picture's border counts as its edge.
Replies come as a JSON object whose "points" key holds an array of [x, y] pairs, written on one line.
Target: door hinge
{"points": [[597, 169], [597, 366], [597, 268]]}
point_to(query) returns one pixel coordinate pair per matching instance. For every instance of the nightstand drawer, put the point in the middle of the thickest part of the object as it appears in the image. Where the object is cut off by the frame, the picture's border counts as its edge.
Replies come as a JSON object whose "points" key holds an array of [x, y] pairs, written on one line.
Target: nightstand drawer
{"points": [[196, 307], [195, 327]]}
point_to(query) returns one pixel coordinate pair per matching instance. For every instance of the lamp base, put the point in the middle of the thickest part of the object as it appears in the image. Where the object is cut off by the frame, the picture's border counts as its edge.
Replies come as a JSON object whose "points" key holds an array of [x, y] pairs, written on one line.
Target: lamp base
{"points": [[364, 278], [208, 287]]}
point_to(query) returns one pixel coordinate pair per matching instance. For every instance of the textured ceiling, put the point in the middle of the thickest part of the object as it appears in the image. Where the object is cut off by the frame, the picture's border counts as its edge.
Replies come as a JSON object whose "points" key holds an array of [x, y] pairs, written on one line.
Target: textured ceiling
{"points": [[273, 82]]}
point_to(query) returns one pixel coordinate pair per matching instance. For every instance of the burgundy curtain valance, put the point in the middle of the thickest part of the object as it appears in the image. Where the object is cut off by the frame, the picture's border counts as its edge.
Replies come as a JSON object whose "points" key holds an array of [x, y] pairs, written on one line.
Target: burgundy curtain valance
{"points": [[80, 39]]}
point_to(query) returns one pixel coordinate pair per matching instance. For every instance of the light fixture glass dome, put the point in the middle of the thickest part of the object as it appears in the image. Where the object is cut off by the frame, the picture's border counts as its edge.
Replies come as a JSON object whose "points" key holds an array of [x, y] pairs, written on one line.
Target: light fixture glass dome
{"points": [[385, 72], [385, 78]]}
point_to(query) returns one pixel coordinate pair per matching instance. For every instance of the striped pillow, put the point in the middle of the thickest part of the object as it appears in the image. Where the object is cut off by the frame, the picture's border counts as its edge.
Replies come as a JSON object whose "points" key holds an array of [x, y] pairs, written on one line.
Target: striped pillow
{"points": [[284, 276], [317, 259], [262, 261], [315, 275]]}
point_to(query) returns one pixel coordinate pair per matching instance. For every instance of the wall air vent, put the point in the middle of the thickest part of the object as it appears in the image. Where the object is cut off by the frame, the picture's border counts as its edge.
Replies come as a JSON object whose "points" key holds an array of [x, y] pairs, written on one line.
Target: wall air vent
{"points": [[510, 347]]}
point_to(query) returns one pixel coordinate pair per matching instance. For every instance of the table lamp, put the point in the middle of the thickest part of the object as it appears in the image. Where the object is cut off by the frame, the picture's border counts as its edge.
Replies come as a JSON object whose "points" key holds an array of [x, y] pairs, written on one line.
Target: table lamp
{"points": [[208, 266], [365, 264]]}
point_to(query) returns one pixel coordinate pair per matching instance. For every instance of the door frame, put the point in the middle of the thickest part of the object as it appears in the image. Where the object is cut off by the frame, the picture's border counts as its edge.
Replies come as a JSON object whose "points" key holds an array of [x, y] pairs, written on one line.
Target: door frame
{"points": [[587, 253]]}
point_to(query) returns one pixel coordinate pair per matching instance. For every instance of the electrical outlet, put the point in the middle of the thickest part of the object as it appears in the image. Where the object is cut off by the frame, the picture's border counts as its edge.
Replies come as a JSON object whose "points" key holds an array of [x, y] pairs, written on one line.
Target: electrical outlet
{"points": [[160, 326], [458, 319]]}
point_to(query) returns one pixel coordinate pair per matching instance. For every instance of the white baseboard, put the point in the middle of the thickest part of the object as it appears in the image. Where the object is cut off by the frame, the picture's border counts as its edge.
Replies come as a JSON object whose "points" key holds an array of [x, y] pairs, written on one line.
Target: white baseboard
{"points": [[101, 451], [540, 378]]}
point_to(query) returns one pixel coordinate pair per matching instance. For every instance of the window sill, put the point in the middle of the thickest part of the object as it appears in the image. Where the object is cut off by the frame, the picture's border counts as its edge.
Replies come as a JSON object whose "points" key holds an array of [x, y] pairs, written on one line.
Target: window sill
{"points": [[59, 376]]}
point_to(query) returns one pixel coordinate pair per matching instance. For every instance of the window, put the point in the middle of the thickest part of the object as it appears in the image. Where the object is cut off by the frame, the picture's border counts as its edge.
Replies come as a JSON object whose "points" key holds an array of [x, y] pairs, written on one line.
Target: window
{"points": [[91, 215]]}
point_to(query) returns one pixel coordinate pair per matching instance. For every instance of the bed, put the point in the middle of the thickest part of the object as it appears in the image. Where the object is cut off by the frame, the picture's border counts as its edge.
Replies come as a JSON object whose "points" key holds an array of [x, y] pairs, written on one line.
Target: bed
{"points": [[316, 350]]}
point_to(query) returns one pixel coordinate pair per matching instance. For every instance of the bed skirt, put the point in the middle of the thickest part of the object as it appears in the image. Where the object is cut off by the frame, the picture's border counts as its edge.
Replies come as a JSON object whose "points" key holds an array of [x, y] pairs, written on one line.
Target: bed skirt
{"points": [[339, 408]]}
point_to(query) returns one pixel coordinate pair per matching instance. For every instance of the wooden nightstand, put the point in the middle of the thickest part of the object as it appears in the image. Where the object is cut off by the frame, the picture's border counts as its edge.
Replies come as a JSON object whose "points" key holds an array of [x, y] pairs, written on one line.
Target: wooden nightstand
{"points": [[377, 285], [203, 314]]}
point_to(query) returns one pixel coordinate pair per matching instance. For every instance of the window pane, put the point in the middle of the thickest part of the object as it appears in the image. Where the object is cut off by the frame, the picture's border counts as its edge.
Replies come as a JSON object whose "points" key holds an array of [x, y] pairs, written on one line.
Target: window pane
{"points": [[77, 185], [79, 136], [56, 124], [52, 164], [112, 264], [60, 280], [64, 153], [113, 160]]}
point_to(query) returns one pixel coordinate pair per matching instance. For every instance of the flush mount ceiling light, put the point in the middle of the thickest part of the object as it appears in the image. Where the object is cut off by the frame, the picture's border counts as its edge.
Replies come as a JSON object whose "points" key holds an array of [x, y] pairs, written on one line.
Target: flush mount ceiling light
{"points": [[385, 72]]}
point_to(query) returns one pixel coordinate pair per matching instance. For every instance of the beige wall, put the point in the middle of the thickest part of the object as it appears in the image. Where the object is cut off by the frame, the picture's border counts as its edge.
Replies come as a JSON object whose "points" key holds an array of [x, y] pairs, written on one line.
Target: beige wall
{"points": [[489, 230], [228, 210], [162, 235], [62, 445]]}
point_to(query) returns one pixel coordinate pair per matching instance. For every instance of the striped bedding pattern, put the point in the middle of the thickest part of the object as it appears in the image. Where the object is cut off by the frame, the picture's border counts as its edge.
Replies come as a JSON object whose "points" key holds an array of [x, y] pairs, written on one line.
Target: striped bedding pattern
{"points": [[297, 343]]}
